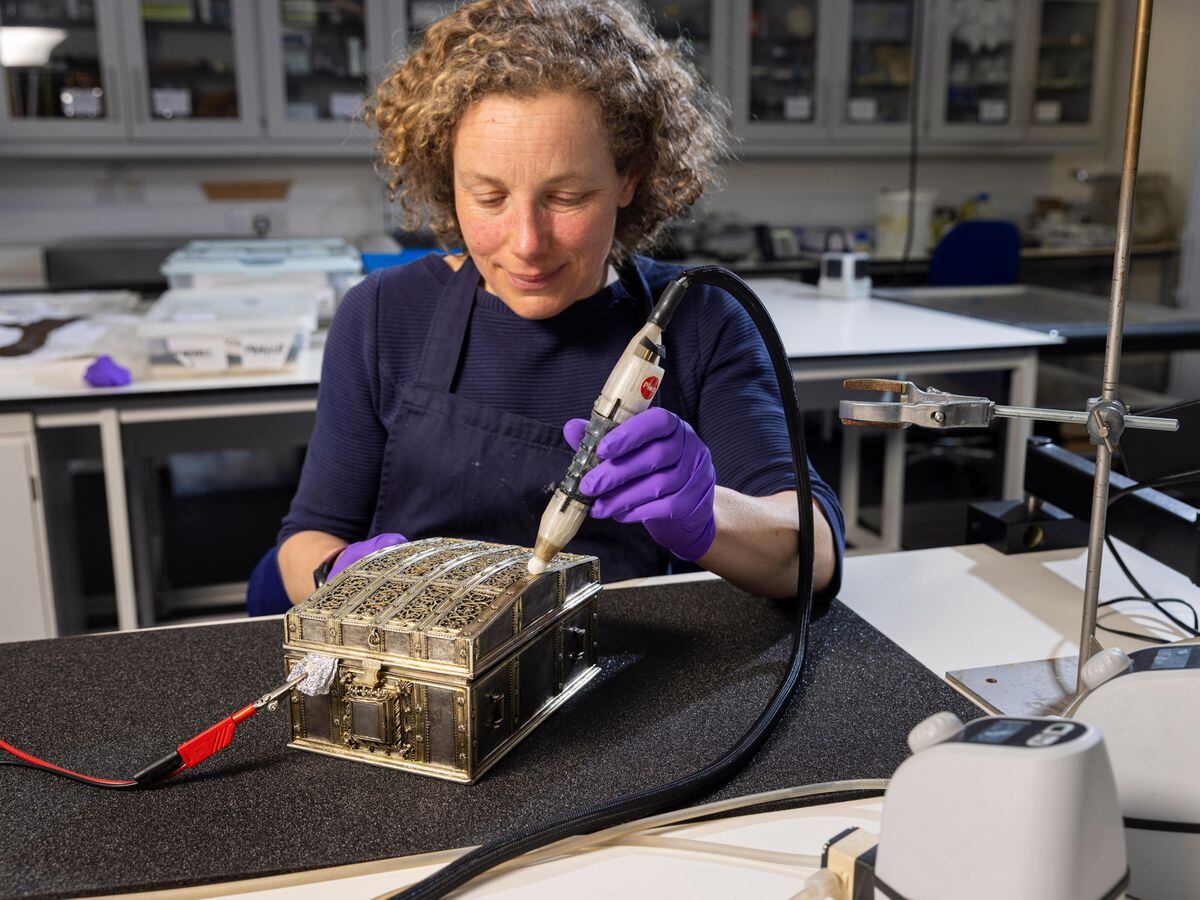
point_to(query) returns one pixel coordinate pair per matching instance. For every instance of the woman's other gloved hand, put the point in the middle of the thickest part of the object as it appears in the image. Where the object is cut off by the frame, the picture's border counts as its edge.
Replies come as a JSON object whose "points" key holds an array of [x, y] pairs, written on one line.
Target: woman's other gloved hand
{"points": [[656, 471], [354, 552]]}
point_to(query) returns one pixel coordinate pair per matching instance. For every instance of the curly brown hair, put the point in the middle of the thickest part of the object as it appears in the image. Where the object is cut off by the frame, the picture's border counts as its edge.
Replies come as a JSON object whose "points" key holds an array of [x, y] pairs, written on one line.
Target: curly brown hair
{"points": [[663, 121]]}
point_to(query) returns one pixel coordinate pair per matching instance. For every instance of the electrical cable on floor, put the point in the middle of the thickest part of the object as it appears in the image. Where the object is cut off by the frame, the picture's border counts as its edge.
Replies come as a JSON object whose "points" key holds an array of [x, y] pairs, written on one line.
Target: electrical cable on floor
{"points": [[714, 774]]}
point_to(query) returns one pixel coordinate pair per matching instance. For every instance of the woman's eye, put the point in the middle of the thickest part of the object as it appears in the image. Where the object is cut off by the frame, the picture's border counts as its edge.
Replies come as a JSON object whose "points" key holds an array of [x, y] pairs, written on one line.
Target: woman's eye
{"points": [[567, 199], [490, 200]]}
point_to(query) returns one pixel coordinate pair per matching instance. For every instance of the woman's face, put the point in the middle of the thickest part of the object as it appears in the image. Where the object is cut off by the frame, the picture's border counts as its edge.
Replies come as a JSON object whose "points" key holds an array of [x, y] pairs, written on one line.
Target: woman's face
{"points": [[537, 193]]}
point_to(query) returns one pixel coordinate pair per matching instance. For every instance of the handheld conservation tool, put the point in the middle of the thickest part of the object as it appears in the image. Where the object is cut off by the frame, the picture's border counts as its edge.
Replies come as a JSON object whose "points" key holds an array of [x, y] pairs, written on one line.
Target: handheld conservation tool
{"points": [[628, 391]]}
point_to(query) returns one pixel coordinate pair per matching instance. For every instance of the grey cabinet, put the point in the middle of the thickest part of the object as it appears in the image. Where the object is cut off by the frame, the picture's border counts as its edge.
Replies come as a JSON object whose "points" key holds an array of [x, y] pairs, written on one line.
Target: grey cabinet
{"points": [[27, 600], [820, 76], [287, 77], [189, 77], [59, 70], [1033, 72], [782, 91], [192, 69], [979, 54], [873, 57], [319, 61], [1073, 47]]}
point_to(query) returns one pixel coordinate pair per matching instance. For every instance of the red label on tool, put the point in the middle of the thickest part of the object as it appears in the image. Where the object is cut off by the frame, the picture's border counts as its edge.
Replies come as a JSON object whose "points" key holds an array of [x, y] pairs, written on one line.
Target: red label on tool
{"points": [[649, 386]]}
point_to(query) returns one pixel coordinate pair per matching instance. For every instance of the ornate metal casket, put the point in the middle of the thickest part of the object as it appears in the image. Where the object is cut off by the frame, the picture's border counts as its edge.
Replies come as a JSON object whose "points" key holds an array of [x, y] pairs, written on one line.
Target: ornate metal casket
{"points": [[449, 652]]}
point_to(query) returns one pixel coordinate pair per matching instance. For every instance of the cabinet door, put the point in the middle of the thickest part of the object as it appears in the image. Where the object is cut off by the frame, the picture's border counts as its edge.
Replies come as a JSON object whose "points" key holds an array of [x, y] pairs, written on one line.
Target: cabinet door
{"points": [[26, 601], [193, 68], [58, 65], [704, 24], [978, 54], [781, 52], [874, 64], [1069, 82], [319, 61]]}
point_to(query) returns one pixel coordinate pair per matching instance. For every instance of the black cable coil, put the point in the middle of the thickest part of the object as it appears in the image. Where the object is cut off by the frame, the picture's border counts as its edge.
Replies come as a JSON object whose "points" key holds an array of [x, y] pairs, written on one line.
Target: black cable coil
{"points": [[675, 793]]}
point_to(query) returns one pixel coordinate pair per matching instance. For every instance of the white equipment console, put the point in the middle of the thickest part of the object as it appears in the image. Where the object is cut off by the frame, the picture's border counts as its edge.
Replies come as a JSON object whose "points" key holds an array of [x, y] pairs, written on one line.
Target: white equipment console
{"points": [[1000, 808], [1146, 706]]}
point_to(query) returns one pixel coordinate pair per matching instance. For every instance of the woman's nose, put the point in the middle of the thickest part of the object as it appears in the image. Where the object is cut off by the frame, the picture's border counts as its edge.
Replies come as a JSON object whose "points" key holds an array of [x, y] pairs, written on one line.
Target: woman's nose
{"points": [[529, 238]]}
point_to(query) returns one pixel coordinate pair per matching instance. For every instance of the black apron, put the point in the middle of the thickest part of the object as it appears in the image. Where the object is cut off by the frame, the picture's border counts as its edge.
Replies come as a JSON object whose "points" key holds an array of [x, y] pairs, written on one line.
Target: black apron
{"points": [[456, 468]]}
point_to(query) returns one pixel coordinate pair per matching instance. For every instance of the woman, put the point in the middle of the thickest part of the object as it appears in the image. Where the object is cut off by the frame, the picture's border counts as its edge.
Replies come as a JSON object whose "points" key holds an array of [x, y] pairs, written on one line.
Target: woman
{"points": [[551, 140]]}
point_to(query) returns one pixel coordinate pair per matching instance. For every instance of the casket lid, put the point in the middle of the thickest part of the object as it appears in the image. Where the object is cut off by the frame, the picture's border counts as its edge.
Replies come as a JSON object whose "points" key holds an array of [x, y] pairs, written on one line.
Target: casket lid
{"points": [[441, 601]]}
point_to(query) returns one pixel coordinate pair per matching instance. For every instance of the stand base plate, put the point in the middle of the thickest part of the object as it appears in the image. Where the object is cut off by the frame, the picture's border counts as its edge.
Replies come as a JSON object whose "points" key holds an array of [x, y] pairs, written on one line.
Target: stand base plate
{"points": [[1040, 687]]}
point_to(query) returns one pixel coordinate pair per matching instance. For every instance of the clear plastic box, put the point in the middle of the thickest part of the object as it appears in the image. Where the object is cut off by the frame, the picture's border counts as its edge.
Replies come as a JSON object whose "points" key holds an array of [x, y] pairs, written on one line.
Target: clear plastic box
{"points": [[191, 332], [330, 266]]}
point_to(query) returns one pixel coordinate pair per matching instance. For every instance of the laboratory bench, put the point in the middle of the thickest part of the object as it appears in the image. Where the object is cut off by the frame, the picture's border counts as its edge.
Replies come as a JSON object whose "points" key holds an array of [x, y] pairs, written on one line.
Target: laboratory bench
{"points": [[1077, 268], [686, 662], [53, 424]]}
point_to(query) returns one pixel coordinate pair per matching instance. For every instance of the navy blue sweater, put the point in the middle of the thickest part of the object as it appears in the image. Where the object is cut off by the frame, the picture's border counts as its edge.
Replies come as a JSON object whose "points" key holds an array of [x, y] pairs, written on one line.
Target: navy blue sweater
{"points": [[714, 355]]}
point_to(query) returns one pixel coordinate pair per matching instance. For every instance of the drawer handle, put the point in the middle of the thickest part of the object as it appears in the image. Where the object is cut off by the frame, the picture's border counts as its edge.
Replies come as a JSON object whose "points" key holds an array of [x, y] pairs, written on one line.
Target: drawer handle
{"points": [[497, 712], [579, 638]]}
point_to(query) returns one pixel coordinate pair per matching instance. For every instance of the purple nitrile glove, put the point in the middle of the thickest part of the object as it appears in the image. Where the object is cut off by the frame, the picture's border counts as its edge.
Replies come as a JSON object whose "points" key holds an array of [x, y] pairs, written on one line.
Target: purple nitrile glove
{"points": [[656, 471], [354, 552], [106, 372]]}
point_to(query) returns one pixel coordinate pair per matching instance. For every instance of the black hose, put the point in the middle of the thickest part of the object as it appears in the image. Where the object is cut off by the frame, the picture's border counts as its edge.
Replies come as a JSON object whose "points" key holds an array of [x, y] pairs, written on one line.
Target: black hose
{"points": [[675, 793]]}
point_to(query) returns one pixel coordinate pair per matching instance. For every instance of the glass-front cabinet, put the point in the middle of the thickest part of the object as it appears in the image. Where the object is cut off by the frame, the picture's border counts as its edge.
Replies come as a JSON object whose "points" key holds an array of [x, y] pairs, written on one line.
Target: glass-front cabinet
{"points": [[874, 78], [702, 22], [193, 68], [780, 51], [696, 20], [320, 58], [1073, 41], [979, 57], [58, 68], [801, 76]]}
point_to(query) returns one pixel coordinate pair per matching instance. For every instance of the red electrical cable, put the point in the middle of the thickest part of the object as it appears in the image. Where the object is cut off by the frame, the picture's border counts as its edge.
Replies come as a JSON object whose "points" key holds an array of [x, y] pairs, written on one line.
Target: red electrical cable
{"points": [[34, 762], [190, 753]]}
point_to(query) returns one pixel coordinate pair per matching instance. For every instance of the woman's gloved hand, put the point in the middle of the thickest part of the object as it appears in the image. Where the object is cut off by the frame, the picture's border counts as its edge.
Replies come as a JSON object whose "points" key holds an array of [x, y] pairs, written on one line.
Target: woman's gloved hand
{"points": [[354, 552], [656, 471]]}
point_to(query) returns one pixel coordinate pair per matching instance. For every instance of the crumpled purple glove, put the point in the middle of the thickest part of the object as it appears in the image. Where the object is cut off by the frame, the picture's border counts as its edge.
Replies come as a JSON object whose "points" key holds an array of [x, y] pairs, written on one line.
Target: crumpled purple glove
{"points": [[354, 552], [106, 372], [656, 471]]}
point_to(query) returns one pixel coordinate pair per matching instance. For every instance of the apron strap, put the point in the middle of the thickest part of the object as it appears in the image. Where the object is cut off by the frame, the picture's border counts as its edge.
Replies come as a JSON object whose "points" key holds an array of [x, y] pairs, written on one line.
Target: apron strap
{"points": [[448, 329]]}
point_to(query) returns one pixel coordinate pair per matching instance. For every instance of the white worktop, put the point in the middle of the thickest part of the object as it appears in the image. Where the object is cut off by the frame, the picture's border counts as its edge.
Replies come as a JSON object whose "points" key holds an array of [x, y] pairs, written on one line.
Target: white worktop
{"points": [[64, 380], [814, 326], [811, 327]]}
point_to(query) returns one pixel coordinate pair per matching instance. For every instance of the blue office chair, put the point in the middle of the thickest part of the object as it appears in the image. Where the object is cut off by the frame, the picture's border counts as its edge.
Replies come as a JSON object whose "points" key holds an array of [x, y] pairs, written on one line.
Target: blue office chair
{"points": [[978, 251], [265, 595]]}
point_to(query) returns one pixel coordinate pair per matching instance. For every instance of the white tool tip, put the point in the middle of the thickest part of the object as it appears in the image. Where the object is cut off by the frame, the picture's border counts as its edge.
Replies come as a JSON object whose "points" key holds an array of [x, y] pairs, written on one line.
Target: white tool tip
{"points": [[536, 566]]}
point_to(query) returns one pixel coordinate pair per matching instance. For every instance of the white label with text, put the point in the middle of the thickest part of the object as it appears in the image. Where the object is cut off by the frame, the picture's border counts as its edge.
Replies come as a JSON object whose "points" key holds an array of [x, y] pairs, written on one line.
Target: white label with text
{"points": [[201, 354], [265, 351], [993, 111]]}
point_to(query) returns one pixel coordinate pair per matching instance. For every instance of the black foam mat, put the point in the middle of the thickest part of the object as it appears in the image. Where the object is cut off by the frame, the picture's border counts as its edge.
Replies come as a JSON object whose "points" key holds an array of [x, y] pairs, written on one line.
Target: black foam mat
{"points": [[686, 669]]}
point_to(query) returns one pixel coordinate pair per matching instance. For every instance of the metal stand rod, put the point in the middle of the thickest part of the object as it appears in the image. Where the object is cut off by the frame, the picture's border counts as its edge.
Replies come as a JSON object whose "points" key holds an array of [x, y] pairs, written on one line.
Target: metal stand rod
{"points": [[1116, 323]]}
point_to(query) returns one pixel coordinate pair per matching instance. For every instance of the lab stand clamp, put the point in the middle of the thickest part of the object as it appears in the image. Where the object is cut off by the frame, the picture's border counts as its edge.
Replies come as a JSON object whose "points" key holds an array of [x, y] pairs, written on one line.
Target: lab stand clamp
{"points": [[1038, 687]]}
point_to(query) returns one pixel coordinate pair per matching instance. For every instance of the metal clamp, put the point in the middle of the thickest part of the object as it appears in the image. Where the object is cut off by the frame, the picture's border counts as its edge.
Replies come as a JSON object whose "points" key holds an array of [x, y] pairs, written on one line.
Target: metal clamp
{"points": [[928, 408], [931, 408]]}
